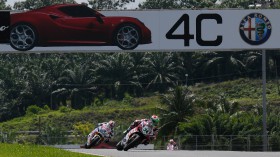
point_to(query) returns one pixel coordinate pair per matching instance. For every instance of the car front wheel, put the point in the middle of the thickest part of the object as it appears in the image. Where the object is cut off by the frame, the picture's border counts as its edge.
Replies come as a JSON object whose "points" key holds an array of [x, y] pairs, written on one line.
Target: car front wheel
{"points": [[22, 37], [127, 37]]}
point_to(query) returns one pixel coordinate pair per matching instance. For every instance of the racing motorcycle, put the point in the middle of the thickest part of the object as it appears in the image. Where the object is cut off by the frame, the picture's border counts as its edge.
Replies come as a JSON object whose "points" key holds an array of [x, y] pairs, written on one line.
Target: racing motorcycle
{"points": [[138, 135], [98, 137], [172, 147]]}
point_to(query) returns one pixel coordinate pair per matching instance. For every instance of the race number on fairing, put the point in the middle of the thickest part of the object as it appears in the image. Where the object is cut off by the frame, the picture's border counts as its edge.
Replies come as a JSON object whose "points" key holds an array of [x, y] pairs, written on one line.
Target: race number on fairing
{"points": [[187, 36]]}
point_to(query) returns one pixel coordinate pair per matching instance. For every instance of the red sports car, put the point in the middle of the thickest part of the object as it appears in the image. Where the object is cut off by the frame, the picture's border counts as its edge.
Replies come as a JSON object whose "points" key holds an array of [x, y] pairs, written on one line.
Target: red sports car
{"points": [[75, 24]]}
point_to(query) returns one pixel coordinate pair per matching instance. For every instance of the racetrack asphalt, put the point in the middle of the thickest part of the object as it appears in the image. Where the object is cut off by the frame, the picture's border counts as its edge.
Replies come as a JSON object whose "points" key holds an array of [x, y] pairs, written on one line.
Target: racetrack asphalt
{"points": [[178, 153]]}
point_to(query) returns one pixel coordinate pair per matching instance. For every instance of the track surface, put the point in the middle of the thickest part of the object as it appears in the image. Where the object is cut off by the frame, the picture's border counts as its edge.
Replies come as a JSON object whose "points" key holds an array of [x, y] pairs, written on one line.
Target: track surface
{"points": [[165, 153]]}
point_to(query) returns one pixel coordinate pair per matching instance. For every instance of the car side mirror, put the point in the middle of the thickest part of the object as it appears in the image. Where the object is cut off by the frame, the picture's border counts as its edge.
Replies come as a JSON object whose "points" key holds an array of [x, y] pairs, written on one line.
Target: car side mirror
{"points": [[99, 19]]}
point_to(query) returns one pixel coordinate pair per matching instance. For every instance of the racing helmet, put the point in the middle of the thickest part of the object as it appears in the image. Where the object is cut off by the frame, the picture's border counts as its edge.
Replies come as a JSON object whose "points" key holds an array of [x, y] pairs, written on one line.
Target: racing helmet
{"points": [[155, 120], [111, 123], [171, 140]]}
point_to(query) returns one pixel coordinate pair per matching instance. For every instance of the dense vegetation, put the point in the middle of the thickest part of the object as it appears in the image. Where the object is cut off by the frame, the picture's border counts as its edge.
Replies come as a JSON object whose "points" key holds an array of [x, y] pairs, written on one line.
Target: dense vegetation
{"points": [[221, 109], [78, 80], [149, 4]]}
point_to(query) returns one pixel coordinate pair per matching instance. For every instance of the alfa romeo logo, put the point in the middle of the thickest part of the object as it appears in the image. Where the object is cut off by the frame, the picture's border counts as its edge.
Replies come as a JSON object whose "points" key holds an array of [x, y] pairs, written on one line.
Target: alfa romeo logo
{"points": [[3, 28], [255, 29]]}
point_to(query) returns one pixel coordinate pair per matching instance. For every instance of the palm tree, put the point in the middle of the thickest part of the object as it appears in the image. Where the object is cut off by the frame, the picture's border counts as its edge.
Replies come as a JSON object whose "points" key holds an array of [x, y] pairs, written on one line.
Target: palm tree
{"points": [[236, 3], [77, 84], [179, 106], [159, 4], [139, 66], [201, 124], [253, 62], [220, 104], [116, 73], [273, 65], [228, 64], [160, 71]]}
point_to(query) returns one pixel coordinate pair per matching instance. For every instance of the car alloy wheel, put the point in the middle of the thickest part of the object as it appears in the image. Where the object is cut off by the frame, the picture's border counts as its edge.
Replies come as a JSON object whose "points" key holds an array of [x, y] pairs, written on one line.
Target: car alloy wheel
{"points": [[22, 37], [127, 37]]}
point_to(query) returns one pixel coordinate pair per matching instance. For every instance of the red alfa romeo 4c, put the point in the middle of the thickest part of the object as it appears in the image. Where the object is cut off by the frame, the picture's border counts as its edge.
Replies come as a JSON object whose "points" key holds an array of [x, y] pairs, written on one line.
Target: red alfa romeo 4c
{"points": [[72, 25]]}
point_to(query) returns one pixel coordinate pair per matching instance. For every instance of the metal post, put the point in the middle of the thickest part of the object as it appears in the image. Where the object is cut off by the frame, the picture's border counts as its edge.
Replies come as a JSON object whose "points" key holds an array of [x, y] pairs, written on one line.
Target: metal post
{"points": [[264, 100], [213, 142], [230, 143], [186, 79], [196, 142], [51, 105], [249, 143]]}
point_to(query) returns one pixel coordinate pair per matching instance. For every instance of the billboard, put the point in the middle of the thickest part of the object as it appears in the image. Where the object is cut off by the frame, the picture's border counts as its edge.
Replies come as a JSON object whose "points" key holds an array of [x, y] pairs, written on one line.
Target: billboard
{"points": [[73, 29], [4, 26]]}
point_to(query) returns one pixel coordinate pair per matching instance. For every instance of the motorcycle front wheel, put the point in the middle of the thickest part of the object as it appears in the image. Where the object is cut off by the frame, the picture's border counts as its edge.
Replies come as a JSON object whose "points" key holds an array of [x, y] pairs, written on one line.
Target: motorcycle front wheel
{"points": [[119, 146], [95, 141], [133, 142]]}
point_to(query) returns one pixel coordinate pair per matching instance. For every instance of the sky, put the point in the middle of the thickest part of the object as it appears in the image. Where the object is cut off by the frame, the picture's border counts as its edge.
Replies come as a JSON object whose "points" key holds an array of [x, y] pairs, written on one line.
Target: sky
{"points": [[129, 6]]}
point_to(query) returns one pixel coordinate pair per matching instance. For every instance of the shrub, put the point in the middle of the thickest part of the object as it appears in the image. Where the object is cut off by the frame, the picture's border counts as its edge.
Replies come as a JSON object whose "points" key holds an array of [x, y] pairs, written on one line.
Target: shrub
{"points": [[65, 109], [83, 128], [33, 109]]}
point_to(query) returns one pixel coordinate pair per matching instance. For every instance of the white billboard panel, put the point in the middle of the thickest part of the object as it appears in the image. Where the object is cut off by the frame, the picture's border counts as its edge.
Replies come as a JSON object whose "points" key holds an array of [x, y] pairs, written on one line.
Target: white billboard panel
{"points": [[175, 30]]}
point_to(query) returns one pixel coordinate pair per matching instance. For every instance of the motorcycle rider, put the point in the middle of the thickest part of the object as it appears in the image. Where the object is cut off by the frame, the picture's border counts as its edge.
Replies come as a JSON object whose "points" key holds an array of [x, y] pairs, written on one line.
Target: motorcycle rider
{"points": [[108, 127], [172, 145], [154, 120]]}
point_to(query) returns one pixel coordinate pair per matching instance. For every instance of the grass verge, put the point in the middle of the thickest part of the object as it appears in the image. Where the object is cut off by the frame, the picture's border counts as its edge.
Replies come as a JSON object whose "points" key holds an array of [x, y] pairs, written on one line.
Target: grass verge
{"points": [[17, 150]]}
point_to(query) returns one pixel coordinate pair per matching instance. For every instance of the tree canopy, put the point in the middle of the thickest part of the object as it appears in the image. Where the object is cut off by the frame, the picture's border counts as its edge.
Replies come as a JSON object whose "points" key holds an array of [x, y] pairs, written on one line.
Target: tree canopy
{"points": [[34, 4]]}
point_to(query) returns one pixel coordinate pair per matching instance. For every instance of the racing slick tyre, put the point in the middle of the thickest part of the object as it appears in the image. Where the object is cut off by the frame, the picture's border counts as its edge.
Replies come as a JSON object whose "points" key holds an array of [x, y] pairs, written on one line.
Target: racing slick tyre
{"points": [[23, 37], [119, 146], [94, 142], [132, 142], [127, 37]]}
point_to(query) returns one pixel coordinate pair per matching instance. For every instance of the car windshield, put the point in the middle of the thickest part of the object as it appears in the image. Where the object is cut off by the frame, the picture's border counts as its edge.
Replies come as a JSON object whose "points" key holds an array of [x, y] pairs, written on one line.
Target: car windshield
{"points": [[79, 11]]}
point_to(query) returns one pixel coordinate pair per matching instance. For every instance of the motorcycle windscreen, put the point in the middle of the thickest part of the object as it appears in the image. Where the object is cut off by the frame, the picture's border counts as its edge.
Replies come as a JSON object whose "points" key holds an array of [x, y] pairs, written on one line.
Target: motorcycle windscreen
{"points": [[4, 26]]}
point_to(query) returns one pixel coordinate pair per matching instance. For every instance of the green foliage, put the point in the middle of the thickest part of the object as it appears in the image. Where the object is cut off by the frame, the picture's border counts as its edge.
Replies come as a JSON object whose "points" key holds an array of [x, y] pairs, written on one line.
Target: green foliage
{"points": [[109, 4], [26, 139], [83, 128], [3, 5], [177, 4], [53, 133], [46, 108], [180, 106], [17, 150], [245, 4], [65, 109], [34, 4], [223, 124], [108, 86], [33, 109], [127, 98], [76, 80]]}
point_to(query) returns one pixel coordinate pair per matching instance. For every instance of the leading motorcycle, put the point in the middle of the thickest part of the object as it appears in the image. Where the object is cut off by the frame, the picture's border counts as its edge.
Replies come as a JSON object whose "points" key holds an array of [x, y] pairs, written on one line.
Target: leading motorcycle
{"points": [[141, 134]]}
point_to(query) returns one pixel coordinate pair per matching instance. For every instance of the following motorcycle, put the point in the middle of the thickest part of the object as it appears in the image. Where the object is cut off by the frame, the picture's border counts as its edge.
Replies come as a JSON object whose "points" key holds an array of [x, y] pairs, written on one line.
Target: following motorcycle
{"points": [[98, 137]]}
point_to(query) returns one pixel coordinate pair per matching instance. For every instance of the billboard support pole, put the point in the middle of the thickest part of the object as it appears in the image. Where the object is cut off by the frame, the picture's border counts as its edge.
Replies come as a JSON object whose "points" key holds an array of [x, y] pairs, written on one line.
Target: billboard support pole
{"points": [[265, 140]]}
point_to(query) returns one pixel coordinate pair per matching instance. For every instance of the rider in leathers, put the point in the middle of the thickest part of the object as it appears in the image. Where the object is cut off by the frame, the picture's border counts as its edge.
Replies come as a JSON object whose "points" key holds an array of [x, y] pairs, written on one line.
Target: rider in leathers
{"points": [[154, 120], [105, 126]]}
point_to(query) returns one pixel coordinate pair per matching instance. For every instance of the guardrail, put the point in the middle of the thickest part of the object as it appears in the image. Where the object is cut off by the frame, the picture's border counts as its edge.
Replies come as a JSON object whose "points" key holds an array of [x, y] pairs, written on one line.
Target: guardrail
{"points": [[223, 142], [186, 142]]}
